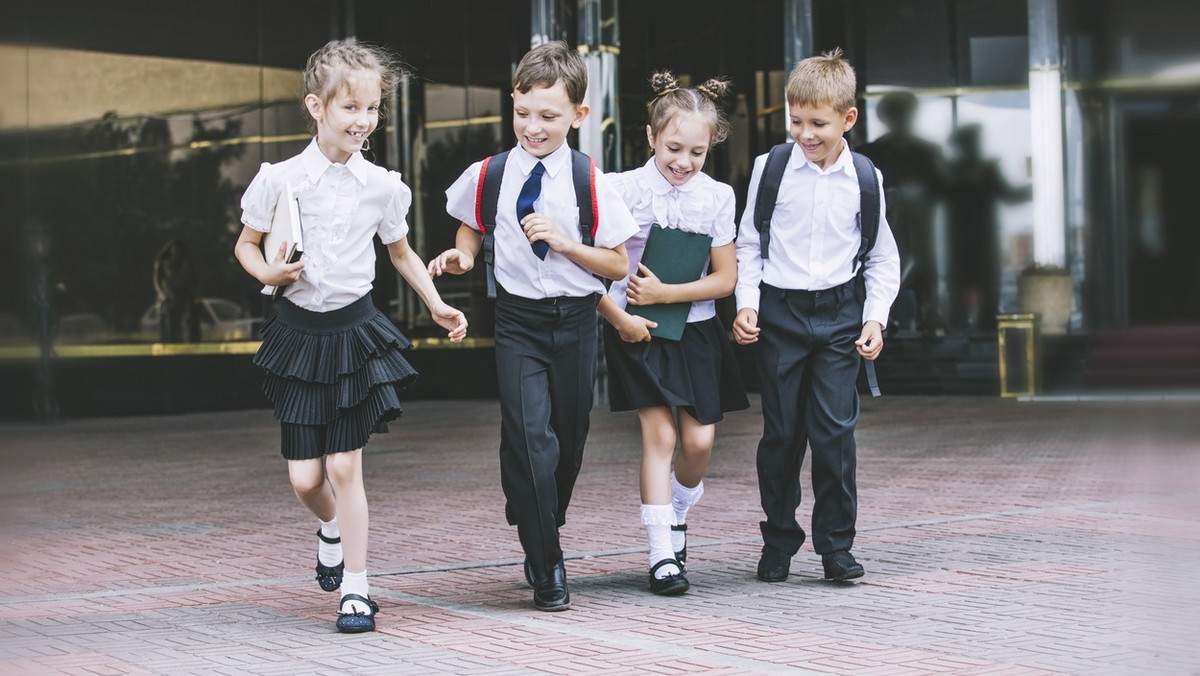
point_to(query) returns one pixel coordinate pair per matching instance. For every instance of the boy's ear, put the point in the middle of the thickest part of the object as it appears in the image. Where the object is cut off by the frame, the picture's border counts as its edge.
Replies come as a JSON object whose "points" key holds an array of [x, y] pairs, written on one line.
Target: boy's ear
{"points": [[851, 118], [313, 103], [581, 112]]}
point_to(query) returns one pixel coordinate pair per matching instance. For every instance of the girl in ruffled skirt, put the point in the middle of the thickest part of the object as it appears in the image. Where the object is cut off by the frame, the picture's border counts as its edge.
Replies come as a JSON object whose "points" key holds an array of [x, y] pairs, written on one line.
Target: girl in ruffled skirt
{"points": [[334, 362]]}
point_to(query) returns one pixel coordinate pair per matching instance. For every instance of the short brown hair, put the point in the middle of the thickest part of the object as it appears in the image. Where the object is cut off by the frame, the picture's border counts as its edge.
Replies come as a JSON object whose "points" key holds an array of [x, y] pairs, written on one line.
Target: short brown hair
{"points": [[820, 80], [548, 63]]}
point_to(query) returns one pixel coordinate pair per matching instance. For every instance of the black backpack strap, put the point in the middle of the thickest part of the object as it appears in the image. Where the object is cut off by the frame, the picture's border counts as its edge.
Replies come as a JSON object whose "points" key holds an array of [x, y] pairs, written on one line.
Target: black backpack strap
{"points": [[487, 196], [768, 193], [868, 226], [583, 175]]}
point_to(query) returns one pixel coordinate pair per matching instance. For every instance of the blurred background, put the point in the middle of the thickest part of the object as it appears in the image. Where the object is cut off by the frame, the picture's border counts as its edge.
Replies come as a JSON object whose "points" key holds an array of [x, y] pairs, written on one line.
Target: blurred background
{"points": [[1037, 157]]}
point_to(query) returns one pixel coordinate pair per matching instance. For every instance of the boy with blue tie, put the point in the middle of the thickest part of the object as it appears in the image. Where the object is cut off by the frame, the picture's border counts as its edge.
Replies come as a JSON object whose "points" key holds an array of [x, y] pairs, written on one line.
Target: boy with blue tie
{"points": [[544, 274], [801, 300]]}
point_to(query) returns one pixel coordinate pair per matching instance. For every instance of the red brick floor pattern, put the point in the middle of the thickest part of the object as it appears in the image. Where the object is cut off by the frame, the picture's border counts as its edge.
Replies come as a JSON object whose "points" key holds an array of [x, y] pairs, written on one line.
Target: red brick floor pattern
{"points": [[999, 538]]}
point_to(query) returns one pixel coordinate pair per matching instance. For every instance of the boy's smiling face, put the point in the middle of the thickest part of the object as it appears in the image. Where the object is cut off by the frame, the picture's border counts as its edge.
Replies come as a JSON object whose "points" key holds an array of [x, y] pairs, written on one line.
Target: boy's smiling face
{"points": [[542, 117], [818, 130]]}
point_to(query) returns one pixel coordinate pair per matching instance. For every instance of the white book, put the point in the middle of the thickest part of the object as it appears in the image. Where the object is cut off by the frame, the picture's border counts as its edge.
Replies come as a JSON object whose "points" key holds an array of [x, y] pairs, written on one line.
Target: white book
{"points": [[285, 229]]}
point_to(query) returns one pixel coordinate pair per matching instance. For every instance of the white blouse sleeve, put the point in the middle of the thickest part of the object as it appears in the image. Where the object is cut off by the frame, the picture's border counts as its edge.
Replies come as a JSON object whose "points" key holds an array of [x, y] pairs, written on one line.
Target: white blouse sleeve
{"points": [[460, 197], [394, 225], [724, 226], [258, 202]]}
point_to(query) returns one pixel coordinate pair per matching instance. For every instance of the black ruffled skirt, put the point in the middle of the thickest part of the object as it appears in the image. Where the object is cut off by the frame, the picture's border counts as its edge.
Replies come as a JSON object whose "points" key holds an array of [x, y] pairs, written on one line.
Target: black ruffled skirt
{"points": [[334, 377], [697, 372]]}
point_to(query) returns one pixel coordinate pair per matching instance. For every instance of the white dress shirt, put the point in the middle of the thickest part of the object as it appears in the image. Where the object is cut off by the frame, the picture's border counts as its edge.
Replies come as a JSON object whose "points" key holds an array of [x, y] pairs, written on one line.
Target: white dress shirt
{"points": [[701, 205], [815, 237], [342, 208], [517, 268]]}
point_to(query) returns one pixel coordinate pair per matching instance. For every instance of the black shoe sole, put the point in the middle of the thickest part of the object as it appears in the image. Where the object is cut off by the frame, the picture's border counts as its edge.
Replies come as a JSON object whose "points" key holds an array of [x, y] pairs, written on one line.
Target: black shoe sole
{"points": [[847, 576], [552, 608]]}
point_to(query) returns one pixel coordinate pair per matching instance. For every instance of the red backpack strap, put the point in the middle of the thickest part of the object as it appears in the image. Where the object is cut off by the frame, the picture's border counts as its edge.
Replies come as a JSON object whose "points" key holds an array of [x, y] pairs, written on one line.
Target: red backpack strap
{"points": [[583, 175], [479, 195]]}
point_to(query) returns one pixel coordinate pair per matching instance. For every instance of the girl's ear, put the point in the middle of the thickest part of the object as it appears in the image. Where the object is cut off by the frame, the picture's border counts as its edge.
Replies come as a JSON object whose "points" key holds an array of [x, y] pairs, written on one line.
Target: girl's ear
{"points": [[650, 135], [313, 103]]}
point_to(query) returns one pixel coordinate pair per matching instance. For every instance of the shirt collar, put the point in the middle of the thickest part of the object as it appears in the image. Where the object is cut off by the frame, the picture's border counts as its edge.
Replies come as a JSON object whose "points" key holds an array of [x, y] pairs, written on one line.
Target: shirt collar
{"points": [[554, 162], [659, 184], [316, 164], [844, 163]]}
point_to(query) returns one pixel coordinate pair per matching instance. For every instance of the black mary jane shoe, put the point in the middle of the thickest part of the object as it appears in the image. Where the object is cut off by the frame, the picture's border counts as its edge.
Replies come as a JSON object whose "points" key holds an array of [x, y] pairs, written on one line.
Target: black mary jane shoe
{"points": [[681, 555], [670, 585], [551, 594], [357, 622], [329, 577]]}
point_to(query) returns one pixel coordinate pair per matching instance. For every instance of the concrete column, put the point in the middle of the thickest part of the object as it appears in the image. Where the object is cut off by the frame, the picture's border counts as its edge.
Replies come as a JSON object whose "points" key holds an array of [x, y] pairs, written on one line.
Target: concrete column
{"points": [[1046, 121], [600, 44], [544, 22]]}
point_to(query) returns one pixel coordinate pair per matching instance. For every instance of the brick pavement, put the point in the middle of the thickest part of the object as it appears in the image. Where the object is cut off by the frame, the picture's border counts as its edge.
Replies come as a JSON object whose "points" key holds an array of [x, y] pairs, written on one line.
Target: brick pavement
{"points": [[999, 538]]}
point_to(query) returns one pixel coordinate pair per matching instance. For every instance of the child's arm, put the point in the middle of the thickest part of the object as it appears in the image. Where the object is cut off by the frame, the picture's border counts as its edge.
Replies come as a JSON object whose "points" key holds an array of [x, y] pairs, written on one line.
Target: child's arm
{"points": [[276, 273], [412, 269], [610, 263], [650, 290], [633, 329], [460, 259], [870, 342]]}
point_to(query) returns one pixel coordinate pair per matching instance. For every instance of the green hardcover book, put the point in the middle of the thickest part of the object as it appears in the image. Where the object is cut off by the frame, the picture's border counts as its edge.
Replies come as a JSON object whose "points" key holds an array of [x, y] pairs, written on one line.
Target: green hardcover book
{"points": [[675, 257]]}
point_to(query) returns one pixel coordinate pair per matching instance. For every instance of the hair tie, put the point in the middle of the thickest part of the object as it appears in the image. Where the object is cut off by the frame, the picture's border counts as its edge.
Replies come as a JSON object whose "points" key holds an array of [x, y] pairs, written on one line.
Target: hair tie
{"points": [[664, 92]]}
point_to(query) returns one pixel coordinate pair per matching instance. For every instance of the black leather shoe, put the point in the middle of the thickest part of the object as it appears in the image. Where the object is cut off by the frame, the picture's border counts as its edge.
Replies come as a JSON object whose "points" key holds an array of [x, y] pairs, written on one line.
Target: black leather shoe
{"points": [[841, 566], [670, 585], [529, 574], [551, 593], [774, 565], [681, 555]]}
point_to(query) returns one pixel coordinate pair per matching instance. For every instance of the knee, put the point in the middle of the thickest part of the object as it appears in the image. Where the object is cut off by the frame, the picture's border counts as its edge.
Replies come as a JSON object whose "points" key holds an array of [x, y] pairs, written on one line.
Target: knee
{"points": [[344, 469], [697, 444], [308, 483]]}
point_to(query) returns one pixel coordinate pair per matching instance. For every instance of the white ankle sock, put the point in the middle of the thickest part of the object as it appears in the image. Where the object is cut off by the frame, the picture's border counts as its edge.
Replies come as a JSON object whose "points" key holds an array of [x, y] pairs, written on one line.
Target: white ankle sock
{"points": [[682, 499], [329, 554], [355, 583], [658, 520]]}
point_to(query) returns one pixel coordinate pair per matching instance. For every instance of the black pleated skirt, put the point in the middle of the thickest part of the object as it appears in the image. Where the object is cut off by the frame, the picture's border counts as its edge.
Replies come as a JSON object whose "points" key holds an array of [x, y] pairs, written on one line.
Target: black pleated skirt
{"points": [[334, 377], [697, 372]]}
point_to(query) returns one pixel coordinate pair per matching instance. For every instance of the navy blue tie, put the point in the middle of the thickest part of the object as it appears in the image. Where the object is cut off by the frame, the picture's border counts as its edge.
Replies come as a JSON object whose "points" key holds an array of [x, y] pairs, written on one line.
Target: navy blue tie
{"points": [[529, 194]]}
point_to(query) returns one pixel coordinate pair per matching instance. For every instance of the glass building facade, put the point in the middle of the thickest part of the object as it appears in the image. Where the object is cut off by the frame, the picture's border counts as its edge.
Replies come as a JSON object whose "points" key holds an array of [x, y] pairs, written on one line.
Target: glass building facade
{"points": [[129, 130]]}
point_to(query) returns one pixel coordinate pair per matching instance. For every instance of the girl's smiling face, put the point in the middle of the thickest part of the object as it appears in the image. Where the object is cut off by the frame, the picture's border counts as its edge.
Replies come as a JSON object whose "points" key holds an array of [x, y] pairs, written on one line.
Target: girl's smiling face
{"points": [[681, 148], [349, 116]]}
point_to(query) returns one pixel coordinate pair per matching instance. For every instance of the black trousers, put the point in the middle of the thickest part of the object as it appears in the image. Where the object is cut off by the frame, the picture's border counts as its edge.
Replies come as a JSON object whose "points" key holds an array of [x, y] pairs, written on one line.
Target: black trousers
{"points": [[808, 366], [545, 366]]}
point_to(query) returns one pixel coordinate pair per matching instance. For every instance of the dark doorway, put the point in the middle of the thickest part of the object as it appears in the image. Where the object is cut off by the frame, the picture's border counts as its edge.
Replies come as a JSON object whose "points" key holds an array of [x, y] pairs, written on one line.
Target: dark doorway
{"points": [[1164, 226]]}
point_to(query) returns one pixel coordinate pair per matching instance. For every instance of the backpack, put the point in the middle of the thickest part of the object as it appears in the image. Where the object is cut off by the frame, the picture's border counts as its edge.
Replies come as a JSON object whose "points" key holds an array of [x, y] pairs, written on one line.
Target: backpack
{"points": [[867, 218], [491, 173]]}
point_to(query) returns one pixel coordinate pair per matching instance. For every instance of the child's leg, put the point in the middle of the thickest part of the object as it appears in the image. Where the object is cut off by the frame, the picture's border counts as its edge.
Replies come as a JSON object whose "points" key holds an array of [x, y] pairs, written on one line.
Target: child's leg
{"points": [[832, 414], [687, 481], [572, 379], [782, 363], [658, 447], [345, 474], [313, 489]]}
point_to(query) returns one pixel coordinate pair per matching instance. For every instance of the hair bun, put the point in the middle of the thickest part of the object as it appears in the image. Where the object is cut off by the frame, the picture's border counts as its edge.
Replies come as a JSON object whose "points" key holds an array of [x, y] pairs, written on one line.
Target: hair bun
{"points": [[714, 88], [663, 82]]}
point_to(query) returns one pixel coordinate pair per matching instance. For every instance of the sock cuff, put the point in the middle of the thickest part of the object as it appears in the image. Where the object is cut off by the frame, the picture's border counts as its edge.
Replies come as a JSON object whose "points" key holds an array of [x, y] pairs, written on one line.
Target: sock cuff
{"points": [[330, 528], [658, 515], [684, 496]]}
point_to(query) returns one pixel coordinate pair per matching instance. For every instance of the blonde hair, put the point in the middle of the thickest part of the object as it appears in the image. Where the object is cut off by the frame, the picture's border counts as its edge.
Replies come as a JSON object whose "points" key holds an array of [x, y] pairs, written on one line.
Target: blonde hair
{"points": [[548, 63], [670, 101], [827, 79], [331, 67]]}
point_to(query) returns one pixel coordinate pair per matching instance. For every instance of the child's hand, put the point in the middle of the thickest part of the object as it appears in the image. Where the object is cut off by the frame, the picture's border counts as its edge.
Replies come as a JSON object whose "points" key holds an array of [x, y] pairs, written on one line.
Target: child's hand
{"points": [[870, 343], [634, 329], [453, 261], [539, 228], [452, 320], [645, 290], [745, 326], [279, 271]]}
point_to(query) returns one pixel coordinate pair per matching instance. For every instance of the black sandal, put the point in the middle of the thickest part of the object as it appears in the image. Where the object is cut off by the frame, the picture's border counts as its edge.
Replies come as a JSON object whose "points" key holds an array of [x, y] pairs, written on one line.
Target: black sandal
{"points": [[681, 555], [356, 622], [329, 577], [670, 585]]}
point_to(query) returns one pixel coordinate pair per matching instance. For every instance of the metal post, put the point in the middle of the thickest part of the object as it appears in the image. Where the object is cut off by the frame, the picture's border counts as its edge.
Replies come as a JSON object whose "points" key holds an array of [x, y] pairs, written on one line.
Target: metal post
{"points": [[1046, 121], [599, 43], [797, 32], [544, 22]]}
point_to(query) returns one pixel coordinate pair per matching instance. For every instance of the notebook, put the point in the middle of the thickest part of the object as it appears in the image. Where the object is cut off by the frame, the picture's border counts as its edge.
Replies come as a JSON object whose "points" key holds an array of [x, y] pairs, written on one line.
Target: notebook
{"points": [[285, 227], [675, 257]]}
